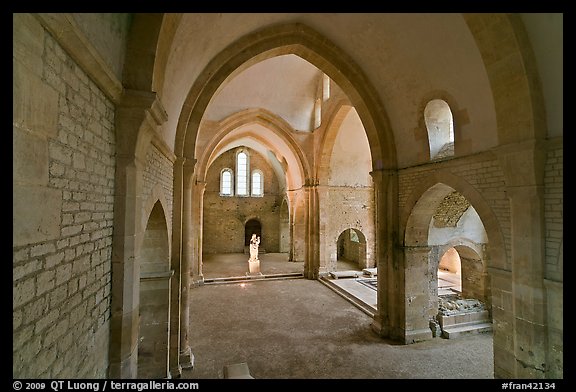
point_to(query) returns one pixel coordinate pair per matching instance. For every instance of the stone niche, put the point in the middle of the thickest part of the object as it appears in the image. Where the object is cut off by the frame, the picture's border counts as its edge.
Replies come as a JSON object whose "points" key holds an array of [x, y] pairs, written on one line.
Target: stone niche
{"points": [[155, 277]]}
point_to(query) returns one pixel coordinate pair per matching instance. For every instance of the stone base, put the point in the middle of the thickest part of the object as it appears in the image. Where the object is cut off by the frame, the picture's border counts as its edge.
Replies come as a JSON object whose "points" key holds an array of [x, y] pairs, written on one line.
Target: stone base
{"points": [[379, 326], [419, 335], [254, 267], [187, 359]]}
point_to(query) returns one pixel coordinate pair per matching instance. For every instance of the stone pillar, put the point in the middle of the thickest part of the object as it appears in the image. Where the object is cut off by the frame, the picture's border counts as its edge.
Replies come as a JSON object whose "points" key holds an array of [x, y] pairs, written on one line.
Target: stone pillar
{"points": [[176, 260], [312, 243], [138, 115], [387, 318], [523, 166], [554, 359], [185, 173], [416, 299], [298, 212], [197, 222], [327, 255], [530, 329], [502, 322], [125, 270]]}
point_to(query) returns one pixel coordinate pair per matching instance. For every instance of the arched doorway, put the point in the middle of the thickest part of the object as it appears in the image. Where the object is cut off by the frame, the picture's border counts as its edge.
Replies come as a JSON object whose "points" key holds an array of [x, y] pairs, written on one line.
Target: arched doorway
{"points": [[463, 306], [450, 273], [252, 226], [351, 250]]}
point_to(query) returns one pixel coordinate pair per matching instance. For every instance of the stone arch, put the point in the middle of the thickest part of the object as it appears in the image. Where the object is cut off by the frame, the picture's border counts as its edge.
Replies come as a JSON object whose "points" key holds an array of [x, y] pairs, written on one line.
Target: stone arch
{"points": [[417, 212], [329, 138], [474, 274], [418, 255], [511, 69], [460, 119], [252, 226], [155, 244], [271, 122], [439, 121], [474, 282], [157, 196], [352, 249], [289, 39]]}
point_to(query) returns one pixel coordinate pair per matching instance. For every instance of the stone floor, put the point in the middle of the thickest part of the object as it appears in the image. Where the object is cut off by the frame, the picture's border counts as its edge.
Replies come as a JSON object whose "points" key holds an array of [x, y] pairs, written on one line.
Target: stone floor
{"points": [[301, 329]]}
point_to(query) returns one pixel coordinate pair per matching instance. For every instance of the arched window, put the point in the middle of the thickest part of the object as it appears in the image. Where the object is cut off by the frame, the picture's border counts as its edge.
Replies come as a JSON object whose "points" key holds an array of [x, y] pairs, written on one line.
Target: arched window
{"points": [[226, 182], [257, 183], [242, 174], [440, 125]]}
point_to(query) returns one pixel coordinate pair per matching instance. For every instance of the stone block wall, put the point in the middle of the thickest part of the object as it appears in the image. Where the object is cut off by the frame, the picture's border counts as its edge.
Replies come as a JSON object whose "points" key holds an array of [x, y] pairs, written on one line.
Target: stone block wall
{"points": [[342, 208], [553, 211], [224, 217], [553, 215], [63, 184], [159, 172]]}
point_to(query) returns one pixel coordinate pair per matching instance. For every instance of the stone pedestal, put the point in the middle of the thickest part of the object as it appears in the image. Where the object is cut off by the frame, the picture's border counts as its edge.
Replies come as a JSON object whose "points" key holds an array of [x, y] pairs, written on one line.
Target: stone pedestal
{"points": [[254, 268]]}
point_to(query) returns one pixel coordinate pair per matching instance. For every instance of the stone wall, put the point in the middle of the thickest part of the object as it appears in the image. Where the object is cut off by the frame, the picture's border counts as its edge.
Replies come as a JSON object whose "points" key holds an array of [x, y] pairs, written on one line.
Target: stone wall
{"points": [[553, 215], [224, 217], [63, 177], [553, 211], [342, 208], [159, 171]]}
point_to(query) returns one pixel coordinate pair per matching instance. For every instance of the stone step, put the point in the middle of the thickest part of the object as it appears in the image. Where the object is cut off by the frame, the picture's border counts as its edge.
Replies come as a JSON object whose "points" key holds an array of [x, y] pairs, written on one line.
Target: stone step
{"points": [[354, 300], [464, 318], [458, 330]]}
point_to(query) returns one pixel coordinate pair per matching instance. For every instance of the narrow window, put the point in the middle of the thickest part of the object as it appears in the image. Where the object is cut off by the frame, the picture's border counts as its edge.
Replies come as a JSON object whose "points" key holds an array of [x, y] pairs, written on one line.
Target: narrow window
{"points": [[226, 182], [242, 174], [257, 183], [440, 126]]}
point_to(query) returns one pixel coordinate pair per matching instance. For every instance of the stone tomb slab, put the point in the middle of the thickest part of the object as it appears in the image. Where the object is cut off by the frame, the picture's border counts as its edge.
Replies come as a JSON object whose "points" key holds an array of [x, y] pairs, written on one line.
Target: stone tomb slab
{"points": [[345, 274], [237, 370], [372, 272]]}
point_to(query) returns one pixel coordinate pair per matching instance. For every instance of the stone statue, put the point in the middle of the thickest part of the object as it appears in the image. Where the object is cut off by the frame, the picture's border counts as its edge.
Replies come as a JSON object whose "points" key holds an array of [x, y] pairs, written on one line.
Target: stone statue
{"points": [[254, 243]]}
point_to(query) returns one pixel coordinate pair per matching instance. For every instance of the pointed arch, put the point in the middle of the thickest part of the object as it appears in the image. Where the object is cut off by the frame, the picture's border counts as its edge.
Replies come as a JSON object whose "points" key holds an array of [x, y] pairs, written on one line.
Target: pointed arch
{"points": [[296, 39], [420, 206], [233, 127]]}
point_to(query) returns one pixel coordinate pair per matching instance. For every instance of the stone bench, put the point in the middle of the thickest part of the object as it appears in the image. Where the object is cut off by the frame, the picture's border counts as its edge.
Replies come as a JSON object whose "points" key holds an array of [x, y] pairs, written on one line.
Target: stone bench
{"points": [[237, 370]]}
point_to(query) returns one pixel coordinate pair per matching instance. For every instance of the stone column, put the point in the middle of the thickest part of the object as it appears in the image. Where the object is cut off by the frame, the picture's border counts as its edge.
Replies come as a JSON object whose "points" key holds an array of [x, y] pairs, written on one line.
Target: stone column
{"points": [[502, 322], [197, 223], [176, 261], [138, 115], [523, 166], [184, 174], [554, 360], [124, 320], [416, 299], [387, 317], [312, 243], [327, 249], [297, 224]]}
